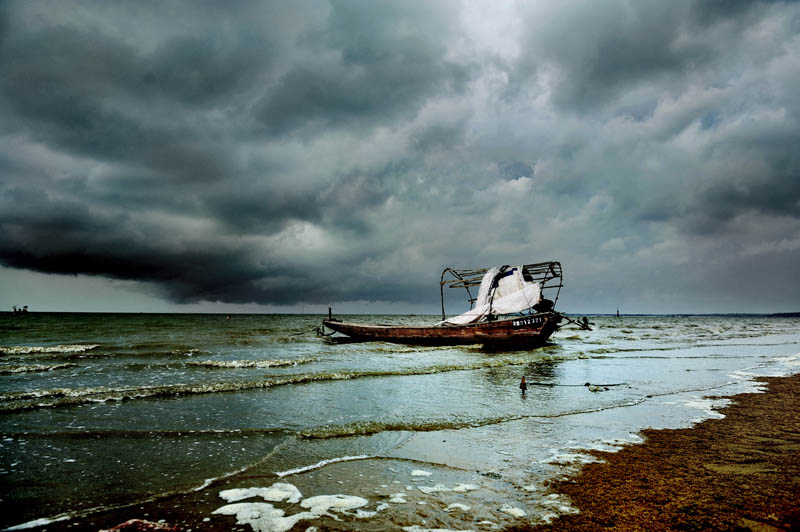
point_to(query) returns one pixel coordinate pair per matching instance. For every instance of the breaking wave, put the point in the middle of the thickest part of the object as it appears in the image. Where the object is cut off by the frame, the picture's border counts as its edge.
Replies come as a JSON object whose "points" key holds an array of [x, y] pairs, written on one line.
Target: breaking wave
{"points": [[147, 434], [34, 368], [14, 401], [236, 364], [321, 464], [366, 428], [49, 349]]}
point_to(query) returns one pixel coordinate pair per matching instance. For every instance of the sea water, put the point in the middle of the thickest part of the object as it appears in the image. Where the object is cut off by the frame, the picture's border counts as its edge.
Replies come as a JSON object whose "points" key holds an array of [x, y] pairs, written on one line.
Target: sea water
{"points": [[110, 410]]}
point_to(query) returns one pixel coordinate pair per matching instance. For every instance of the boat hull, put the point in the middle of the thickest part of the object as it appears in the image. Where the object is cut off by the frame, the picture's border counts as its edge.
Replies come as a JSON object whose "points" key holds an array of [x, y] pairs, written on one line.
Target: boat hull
{"points": [[521, 331]]}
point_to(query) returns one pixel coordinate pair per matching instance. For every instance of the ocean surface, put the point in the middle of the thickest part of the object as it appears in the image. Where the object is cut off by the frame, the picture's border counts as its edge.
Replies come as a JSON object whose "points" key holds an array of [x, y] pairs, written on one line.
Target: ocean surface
{"points": [[259, 418]]}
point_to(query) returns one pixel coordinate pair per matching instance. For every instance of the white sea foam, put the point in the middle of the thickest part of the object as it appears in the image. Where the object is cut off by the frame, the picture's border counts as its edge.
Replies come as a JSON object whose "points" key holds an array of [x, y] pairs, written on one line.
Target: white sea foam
{"points": [[615, 444], [206, 483], [556, 501], [251, 363], [321, 504], [555, 505], [38, 522], [742, 375], [512, 510], [420, 473], [279, 491], [570, 458], [398, 498], [457, 506], [439, 488], [321, 464], [33, 349], [434, 489], [264, 517], [610, 445], [631, 438], [793, 360], [706, 406], [548, 517], [366, 514], [417, 528], [34, 368]]}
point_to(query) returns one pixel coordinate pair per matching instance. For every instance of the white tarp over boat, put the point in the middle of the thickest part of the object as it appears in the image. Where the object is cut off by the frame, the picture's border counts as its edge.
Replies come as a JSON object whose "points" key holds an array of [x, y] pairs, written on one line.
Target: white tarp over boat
{"points": [[503, 290]]}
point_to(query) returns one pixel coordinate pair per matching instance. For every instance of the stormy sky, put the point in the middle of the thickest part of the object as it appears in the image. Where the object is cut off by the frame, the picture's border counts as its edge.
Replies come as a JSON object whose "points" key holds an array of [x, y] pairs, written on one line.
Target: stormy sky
{"points": [[208, 155]]}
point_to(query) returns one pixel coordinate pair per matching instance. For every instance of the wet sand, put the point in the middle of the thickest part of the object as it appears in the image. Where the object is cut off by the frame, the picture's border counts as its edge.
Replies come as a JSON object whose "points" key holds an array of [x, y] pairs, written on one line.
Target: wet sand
{"points": [[739, 473]]}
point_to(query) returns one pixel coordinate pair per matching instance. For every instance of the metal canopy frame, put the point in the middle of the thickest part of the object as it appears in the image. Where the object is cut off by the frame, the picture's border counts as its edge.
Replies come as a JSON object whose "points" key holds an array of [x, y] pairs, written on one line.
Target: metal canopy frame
{"points": [[547, 274]]}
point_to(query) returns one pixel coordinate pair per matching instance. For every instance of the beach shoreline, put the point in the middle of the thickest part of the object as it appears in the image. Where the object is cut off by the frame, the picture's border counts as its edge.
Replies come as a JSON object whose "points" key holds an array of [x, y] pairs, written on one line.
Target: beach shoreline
{"points": [[741, 472]]}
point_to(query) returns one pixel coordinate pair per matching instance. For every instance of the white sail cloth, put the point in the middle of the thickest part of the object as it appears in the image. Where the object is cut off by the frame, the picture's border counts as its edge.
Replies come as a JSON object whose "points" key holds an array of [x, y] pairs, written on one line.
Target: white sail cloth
{"points": [[512, 293], [487, 283]]}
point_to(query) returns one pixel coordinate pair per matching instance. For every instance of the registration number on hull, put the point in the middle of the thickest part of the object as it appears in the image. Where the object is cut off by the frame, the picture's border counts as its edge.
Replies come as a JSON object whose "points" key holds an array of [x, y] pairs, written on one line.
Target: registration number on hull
{"points": [[527, 322]]}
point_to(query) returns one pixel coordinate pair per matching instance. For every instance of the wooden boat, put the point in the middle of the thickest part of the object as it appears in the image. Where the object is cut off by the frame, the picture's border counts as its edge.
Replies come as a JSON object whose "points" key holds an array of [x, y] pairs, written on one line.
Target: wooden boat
{"points": [[489, 322]]}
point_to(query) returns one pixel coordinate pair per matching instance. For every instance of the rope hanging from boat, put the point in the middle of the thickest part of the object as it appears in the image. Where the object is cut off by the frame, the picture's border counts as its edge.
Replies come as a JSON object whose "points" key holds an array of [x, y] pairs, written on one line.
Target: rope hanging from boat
{"points": [[321, 330], [584, 326]]}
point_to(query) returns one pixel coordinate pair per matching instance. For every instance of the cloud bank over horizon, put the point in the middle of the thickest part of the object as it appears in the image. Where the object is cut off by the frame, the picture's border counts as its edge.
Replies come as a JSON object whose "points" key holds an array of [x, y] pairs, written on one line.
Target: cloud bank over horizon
{"points": [[342, 151]]}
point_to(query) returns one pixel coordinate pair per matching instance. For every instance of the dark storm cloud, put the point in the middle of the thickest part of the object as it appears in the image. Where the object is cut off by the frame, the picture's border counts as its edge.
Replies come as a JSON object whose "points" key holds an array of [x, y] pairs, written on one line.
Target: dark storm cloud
{"points": [[167, 181], [344, 151], [632, 58], [599, 53], [370, 64], [93, 95]]}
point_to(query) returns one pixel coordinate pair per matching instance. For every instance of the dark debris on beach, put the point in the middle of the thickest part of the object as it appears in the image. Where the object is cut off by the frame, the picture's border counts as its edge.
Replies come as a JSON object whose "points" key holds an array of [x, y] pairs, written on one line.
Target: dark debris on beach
{"points": [[738, 473]]}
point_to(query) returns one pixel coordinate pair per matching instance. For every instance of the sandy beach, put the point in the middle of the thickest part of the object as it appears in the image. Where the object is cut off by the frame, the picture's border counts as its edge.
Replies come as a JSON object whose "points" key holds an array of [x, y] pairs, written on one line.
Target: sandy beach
{"points": [[740, 473]]}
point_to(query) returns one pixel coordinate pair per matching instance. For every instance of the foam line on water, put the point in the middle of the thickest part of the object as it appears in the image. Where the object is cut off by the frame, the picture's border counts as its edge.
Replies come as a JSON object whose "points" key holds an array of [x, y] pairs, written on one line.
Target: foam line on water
{"points": [[321, 464], [47, 349], [242, 364], [38, 522], [33, 368]]}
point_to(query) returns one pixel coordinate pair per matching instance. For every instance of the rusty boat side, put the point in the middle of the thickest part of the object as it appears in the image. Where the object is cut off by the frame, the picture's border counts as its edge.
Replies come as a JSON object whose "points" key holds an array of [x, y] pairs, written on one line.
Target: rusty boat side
{"points": [[520, 331]]}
